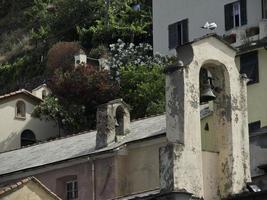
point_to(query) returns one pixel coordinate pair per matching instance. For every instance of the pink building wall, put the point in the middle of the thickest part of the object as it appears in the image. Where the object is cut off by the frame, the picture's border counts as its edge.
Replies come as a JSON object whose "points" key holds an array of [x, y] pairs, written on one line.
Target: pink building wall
{"points": [[103, 179]]}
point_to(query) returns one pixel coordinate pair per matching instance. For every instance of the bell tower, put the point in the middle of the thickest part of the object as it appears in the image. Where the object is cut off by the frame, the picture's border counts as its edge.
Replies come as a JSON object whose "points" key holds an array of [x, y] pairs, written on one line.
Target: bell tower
{"points": [[183, 162]]}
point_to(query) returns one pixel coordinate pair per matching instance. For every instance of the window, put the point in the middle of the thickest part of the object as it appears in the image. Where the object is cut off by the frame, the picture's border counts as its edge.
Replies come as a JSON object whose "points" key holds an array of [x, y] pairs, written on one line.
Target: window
{"points": [[253, 126], [235, 14], [72, 190], [20, 110], [27, 138], [178, 33], [249, 66], [264, 9], [44, 94]]}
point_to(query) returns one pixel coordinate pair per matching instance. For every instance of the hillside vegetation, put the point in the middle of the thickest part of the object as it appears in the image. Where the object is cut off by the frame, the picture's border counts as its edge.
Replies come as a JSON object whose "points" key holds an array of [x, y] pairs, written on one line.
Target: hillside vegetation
{"points": [[29, 28], [40, 37]]}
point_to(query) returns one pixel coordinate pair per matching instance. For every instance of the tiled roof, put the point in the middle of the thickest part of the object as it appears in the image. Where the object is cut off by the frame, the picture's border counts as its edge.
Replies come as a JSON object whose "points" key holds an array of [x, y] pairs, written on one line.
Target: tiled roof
{"points": [[22, 91], [77, 146], [7, 189]]}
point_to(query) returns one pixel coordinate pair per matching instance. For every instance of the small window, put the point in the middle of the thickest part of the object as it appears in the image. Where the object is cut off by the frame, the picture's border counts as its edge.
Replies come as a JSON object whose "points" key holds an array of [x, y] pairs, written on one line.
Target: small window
{"points": [[72, 190], [27, 138], [20, 109], [44, 94], [235, 14], [264, 9], [249, 66], [178, 33]]}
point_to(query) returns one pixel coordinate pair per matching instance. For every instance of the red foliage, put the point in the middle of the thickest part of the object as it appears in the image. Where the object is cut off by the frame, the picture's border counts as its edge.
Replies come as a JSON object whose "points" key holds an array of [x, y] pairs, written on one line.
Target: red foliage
{"points": [[61, 55], [84, 85]]}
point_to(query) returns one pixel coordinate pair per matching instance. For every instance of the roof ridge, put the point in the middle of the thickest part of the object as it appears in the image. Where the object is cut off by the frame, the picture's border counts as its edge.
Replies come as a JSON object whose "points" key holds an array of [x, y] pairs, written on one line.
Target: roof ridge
{"points": [[20, 91]]}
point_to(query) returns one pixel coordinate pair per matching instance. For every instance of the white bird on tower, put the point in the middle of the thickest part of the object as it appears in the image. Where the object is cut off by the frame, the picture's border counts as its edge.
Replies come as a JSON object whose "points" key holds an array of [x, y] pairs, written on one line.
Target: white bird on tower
{"points": [[210, 26]]}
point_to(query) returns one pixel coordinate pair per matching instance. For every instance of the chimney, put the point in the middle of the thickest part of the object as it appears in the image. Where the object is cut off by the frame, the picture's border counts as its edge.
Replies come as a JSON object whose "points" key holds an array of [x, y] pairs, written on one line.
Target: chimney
{"points": [[80, 58], [113, 120]]}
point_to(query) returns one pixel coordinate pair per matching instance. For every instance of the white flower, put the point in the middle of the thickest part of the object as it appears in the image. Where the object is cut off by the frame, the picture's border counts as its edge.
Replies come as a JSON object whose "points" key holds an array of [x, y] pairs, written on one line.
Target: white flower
{"points": [[131, 45]]}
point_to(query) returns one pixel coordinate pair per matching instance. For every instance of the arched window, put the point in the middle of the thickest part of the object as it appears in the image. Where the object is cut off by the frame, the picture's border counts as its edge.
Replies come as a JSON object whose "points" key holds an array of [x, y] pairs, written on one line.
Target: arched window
{"points": [[20, 109], [119, 121], [27, 138], [44, 94]]}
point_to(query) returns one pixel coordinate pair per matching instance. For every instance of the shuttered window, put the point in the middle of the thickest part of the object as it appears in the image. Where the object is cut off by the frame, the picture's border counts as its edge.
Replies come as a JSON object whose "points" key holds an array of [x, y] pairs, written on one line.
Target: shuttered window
{"points": [[249, 66], [264, 9], [235, 14], [178, 33]]}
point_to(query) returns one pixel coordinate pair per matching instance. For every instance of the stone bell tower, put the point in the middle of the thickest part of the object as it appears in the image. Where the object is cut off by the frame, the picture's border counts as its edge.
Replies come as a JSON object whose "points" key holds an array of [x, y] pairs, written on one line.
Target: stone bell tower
{"points": [[183, 163]]}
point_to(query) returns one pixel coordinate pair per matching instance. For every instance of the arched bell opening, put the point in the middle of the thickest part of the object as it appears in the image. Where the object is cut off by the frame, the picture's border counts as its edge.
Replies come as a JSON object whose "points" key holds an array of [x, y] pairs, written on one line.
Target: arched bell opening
{"points": [[214, 94], [119, 121]]}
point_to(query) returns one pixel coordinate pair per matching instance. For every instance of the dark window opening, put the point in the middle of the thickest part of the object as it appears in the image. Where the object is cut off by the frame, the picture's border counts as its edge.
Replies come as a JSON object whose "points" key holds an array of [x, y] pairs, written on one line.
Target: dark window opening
{"points": [[207, 128], [27, 138], [235, 14], [254, 126], [72, 190], [249, 66], [44, 94], [119, 125], [20, 109], [178, 33], [264, 9]]}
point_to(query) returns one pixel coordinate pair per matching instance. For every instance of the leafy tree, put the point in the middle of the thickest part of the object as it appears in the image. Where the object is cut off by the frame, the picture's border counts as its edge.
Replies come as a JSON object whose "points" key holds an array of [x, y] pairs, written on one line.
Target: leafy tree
{"points": [[119, 19], [142, 87], [49, 19], [61, 56], [76, 94]]}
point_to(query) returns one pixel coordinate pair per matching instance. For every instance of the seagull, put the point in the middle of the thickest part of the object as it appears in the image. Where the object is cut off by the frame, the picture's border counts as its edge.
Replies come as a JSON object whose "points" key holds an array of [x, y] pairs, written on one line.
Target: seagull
{"points": [[210, 26]]}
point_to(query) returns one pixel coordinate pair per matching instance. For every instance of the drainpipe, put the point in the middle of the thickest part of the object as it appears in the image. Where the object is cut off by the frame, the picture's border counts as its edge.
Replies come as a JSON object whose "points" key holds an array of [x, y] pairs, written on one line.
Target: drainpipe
{"points": [[93, 180]]}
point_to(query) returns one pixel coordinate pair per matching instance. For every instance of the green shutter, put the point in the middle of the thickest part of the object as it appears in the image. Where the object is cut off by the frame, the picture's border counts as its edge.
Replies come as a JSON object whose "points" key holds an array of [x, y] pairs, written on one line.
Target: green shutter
{"points": [[229, 18], [243, 8], [173, 35]]}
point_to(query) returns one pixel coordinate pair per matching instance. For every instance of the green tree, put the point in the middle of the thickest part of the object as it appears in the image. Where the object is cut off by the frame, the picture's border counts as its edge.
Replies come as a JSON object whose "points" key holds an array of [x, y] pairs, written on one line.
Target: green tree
{"points": [[120, 19], [55, 20], [142, 87]]}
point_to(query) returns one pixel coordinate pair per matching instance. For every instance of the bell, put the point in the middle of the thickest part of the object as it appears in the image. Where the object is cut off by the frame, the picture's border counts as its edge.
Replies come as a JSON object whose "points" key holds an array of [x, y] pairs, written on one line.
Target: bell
{"points": [[206, 92]]}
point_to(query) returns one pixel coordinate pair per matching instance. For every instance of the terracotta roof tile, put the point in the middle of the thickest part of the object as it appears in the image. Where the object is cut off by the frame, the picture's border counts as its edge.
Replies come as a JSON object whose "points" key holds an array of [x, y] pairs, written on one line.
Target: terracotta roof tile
{"points": [[21, 91]]}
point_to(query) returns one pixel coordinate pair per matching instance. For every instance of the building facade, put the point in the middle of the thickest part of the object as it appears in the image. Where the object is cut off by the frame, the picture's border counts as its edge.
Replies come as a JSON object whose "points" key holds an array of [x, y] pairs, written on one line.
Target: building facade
{"points": [[18, 127], [178, 22]]}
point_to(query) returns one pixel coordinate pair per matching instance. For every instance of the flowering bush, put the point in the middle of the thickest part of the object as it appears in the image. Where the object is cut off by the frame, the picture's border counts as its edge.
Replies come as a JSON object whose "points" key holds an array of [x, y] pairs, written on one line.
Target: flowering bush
{"points": [[123, 54]]}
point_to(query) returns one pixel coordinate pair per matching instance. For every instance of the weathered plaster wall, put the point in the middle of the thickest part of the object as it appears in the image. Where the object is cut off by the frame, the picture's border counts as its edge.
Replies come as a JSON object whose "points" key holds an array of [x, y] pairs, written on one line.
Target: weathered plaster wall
{"points": [[172, 11], [138, 170], [105, 178], [131, 170], [82, 172], [209, 138], [11, 127], [30, 191], [39, 91], [210, 174]]}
